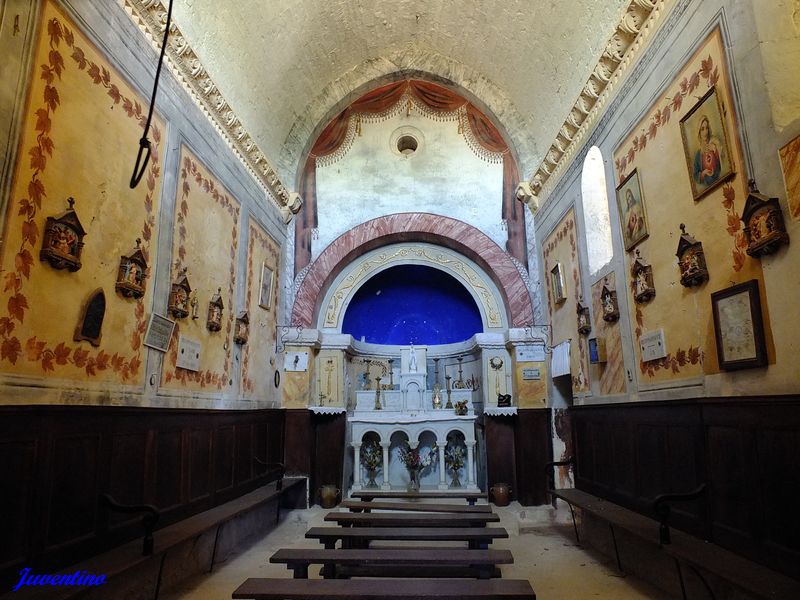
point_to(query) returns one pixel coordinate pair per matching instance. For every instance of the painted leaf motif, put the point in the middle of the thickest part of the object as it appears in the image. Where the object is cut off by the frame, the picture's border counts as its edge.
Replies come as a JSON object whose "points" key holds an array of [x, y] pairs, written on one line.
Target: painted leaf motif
{"points": [[33, 349], [79, 57], [642, 142], [38, 160], [68, 37], [127, 107], [653, 130], [116, 362], [57, 62], [631, 155], [26, 208], [36, 192], [17, 305], [733, 224], [713, 78], [10, 350], [61, 353], [113, 92], [23, 261], [106, 76], [738, 260], [134, 365], [684, 86], [51, 97], [675, 368], [94, 72], [12, 282], [79, 357], [705, 67], [47, 144], [666, 113], [680, 357], [30, 233], [43, 122], [694, 81], [90, 370], [47, 362], [54, 31], [694, 355], [6, 326], [47, 74]]}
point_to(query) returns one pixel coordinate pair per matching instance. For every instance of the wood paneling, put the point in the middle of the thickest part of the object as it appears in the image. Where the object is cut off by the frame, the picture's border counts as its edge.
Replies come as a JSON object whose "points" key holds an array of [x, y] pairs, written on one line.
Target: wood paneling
{"points": [[55, 462], [501, 459], [534, 450], [745, 449]]}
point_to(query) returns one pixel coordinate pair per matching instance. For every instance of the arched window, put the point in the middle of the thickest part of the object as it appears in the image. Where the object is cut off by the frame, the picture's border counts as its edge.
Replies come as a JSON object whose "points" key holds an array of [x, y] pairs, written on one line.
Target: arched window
{"points": [[595, 211]]}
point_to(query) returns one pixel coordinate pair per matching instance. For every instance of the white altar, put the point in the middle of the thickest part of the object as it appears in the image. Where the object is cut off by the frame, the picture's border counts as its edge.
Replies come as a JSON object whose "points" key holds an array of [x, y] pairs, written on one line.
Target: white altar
{"points": [[410, 411]]}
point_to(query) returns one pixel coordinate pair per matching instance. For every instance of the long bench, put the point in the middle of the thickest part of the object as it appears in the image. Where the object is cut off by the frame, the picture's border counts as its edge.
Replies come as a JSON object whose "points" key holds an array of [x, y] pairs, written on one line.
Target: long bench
{"points": [[369, 495], [399, 519], [360, 506], [697, 554], [372, 589], [360, 537], [399, 562]]}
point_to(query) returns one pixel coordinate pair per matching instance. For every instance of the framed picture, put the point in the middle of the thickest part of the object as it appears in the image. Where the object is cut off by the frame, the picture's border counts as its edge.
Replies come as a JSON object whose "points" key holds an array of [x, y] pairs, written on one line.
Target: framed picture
{"points": [[265, 289], [557, 284], [159, 332], [632, 215], [738, 327], [705, 145]]}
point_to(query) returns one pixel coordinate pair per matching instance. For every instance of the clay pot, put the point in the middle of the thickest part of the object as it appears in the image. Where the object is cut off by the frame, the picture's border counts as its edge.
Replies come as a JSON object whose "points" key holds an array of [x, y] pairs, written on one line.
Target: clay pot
{"points": [[328, 495], [501, 492]]}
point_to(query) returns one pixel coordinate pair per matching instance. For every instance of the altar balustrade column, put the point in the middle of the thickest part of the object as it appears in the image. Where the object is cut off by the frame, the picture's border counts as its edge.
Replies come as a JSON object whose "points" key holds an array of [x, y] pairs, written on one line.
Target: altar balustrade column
{"points": [[471, 464], [442, 465], [357, 466], [385, 447]]}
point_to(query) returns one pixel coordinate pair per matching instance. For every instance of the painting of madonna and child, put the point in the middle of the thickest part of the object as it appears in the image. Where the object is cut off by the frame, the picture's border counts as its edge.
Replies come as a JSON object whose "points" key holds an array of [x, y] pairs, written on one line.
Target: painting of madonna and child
{"points": [[705, 143]]}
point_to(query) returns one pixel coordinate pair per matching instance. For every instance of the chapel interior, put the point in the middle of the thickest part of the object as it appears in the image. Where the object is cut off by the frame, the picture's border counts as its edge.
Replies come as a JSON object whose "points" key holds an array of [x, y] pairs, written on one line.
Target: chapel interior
{"points": [[541, 254]]}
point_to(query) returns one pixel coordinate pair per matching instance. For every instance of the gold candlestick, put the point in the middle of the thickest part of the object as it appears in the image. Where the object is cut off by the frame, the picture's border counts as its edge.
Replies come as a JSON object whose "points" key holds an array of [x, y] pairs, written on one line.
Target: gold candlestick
{"points": [[449, 391]]}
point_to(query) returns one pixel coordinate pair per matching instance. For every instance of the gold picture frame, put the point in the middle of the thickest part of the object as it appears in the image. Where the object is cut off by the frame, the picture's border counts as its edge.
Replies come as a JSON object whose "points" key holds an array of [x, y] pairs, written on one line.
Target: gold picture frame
{"points": [[557, 284], [265, 289], [632, 213], [705, 145]]}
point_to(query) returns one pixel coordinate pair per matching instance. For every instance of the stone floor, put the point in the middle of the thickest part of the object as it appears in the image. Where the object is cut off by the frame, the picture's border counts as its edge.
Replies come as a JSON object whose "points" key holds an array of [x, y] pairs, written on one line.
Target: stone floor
{"points": [[540, 539]]}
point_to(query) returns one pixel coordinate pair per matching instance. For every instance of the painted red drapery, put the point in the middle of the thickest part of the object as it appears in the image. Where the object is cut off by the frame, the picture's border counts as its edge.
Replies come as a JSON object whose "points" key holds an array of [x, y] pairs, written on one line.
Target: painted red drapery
{"points": [[381, 99]]}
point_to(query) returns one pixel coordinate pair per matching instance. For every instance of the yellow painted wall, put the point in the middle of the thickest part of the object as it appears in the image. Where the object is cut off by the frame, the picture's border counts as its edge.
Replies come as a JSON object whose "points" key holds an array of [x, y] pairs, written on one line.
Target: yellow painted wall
{"points": [[655, 148], [298, 386], [329, 380], [79, 116], [560, 247], [531, 393], [206, 239], [258, 356]]}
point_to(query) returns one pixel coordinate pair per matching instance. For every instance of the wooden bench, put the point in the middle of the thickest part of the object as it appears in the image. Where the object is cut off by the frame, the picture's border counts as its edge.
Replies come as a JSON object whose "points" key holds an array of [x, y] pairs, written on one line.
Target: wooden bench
{"points": [[349, 519], [371, 589], [699, 555], [405, 562], [359, 506], [369, 495], [360, 537]]}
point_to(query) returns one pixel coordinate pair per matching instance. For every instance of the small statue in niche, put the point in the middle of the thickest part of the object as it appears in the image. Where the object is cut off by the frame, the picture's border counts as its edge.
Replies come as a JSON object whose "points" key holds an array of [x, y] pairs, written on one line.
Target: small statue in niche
{"points": [[764, 228], [179, 296], [584, 323], [642, 273], [62, 242], [242, 329], [131, 273], [691, 260], [412, 360], [608, 297], [214, 322]]}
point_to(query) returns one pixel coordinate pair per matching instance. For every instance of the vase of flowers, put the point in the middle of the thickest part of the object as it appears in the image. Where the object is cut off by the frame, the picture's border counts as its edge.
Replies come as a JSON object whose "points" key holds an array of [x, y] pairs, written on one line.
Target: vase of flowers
{"points": [[415, 462], [372, 459], [454, 459]]}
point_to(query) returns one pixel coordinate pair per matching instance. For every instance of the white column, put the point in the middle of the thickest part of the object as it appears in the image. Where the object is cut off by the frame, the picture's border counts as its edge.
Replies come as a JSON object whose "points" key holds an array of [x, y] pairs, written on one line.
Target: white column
{"points": [[385, 447], [442, 466], [357, 466], [471, 464]]}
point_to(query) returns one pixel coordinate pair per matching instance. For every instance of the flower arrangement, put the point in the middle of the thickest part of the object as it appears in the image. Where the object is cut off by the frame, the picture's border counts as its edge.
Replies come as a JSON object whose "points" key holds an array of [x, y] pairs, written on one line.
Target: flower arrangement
{"points": [[371, 455], [414, 461], [454, 457]]}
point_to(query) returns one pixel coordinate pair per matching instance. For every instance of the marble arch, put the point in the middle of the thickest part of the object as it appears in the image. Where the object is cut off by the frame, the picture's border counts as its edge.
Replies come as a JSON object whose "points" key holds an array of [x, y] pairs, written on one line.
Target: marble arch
{"points": [[413, 227]]}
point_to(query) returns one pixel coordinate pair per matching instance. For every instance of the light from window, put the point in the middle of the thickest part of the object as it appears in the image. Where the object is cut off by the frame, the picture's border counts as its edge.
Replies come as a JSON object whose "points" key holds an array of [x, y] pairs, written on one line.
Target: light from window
{"points": [[595, 211]]}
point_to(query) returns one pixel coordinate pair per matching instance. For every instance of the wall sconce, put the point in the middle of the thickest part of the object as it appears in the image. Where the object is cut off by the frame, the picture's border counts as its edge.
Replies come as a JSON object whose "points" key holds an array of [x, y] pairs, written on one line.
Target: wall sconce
{"points": [[131, 273], [179, 296], [214, 320]]}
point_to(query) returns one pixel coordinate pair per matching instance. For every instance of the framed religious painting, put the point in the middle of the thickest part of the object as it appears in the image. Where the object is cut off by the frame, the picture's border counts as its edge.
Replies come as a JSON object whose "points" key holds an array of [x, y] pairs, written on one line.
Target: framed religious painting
{"points": [[557, 284], [738, 327], [705, 145], [265, 289], [632, 214]]}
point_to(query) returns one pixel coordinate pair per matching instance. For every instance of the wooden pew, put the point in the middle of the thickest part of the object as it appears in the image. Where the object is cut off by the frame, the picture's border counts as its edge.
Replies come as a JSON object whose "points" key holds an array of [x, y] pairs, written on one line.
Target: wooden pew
{"points": [[360, 537], [401, 562], [359, 506], [370, 589], [370, 495], [349, 519]]}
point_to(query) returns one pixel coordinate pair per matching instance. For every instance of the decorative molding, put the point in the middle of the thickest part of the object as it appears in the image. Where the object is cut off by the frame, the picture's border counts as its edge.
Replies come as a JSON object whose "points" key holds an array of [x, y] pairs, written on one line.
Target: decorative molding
{"points": [[151, 16], [623, 47]]}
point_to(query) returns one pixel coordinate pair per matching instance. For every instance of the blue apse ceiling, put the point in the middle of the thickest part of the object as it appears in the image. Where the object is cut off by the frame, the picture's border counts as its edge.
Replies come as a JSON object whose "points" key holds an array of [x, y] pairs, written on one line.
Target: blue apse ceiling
{"points": [[412, 304]]}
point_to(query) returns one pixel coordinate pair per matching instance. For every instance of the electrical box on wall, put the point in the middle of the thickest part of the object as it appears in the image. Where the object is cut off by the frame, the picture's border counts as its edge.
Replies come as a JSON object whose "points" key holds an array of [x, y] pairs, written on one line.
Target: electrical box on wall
{"points": [[597, 350], [652, 345], [295, 361]]}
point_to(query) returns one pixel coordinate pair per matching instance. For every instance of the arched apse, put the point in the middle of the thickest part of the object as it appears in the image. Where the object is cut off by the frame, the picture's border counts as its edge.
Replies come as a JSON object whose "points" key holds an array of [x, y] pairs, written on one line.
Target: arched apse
{"points": [[408, 227], [597, 222]]}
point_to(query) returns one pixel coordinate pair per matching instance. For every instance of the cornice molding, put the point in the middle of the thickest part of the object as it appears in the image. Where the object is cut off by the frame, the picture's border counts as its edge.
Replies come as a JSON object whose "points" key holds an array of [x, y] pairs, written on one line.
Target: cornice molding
{"points": [[624, 46], [151, 16]]}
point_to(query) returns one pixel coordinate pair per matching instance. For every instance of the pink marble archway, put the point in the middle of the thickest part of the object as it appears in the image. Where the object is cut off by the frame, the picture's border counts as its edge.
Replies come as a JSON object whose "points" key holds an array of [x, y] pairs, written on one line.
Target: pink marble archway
{"points": [[413, 227]]}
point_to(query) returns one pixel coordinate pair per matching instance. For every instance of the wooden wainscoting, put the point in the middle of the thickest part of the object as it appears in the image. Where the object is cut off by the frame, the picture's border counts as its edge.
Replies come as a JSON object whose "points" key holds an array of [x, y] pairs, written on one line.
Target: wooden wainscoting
{"points": [[746, 449], [55, 461]]}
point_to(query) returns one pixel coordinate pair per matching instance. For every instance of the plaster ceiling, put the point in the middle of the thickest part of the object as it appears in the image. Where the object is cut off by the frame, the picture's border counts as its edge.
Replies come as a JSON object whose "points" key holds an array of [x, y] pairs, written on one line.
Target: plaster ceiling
{"points": [[287, 66]]}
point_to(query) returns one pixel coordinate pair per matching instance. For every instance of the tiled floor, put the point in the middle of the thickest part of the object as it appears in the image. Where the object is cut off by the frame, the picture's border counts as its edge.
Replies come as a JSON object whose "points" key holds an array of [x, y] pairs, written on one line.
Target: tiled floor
{"points": [[545, 553]]}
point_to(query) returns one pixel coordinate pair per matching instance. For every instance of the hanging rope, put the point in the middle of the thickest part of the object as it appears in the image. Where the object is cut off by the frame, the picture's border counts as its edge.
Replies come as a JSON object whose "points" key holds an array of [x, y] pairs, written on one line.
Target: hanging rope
{"points": [[144, 143]]}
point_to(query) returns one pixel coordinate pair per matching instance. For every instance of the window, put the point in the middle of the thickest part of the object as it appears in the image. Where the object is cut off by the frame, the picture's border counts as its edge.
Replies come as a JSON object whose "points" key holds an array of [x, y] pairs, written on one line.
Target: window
{"points": [[595, 211]]}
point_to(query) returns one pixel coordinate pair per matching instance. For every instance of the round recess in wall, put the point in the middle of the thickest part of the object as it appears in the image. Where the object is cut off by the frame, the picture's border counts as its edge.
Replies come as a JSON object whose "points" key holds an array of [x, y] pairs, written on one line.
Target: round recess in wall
{"points": [[406, 141]]}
